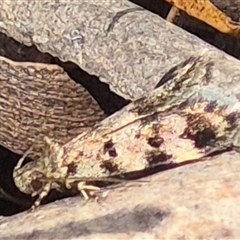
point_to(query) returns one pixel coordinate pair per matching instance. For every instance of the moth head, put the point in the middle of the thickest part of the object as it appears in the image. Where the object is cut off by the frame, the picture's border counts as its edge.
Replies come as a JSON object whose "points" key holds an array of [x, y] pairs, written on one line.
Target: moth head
{"points": [[29, 179]]}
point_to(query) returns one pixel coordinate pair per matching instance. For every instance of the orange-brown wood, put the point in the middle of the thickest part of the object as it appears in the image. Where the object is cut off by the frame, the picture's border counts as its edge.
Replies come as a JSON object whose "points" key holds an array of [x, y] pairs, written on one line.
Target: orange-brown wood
{"points": [[205, 11]]}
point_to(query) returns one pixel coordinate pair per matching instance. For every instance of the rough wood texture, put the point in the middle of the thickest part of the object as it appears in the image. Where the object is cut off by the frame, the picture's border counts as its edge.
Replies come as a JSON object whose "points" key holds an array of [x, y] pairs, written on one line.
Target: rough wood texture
{"points": [[197, 201], [39, 99], [93, 35]]}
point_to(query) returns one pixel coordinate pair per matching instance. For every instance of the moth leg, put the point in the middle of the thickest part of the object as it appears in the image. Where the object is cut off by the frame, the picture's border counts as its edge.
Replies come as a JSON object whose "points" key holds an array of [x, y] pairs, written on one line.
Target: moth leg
{"points": [[82, 187], [21, 160], [41, 194]]}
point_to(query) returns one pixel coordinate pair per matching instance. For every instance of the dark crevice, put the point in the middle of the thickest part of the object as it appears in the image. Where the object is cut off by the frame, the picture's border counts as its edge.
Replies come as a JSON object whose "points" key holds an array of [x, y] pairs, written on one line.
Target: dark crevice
{"points": [[109, 101]]}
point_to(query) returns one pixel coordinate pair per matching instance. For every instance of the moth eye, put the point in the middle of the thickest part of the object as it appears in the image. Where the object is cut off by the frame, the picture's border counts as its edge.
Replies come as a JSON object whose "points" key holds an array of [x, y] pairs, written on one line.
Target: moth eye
{"points": [[36, 185]]}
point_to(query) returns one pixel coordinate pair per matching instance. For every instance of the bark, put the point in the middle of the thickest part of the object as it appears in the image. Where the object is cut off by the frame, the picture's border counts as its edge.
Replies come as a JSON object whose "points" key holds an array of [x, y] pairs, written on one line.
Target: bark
{"points": [[126, 46], [230, 7], [197, 201]]}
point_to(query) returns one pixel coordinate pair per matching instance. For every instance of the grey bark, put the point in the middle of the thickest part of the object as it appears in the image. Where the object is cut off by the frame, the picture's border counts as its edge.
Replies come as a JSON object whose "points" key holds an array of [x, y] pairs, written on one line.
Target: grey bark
{"points": [[126, 46], [230, 7], [197, 201]]}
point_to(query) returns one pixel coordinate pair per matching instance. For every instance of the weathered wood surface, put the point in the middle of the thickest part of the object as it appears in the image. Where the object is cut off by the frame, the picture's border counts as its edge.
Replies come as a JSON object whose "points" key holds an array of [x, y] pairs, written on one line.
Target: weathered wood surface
{"points": [[124, 45], [197, 201]]}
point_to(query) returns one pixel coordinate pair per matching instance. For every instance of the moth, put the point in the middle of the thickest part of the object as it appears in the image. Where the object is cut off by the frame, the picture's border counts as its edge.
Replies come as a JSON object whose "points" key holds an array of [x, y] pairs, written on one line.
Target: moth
{"points": [[181, 120]]}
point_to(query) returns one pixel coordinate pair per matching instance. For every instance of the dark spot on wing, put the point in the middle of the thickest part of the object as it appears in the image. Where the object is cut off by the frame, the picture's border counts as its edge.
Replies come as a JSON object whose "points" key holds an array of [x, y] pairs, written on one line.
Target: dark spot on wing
{"points": [[155, 141], [110, 149], [112, 153], [72, 168], [108, 145], [109, 166], [199, 130], [203, 138], [156, 158]]}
